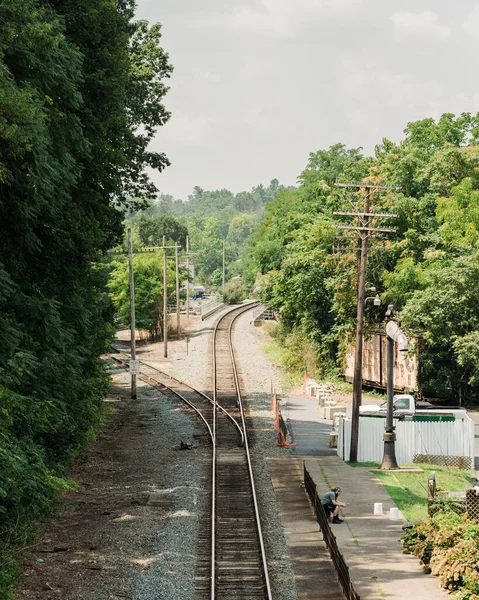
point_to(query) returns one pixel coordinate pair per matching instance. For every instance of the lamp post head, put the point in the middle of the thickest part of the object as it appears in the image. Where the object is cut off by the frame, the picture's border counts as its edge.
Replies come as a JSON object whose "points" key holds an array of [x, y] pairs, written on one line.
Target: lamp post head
{"points": [[376, 300], [397, 335], [390, 311]]}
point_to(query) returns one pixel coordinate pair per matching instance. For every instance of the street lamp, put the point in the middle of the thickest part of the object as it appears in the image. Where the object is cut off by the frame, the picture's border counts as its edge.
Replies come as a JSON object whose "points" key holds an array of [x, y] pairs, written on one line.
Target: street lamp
{"points": [[394, 334], [376, 299]]}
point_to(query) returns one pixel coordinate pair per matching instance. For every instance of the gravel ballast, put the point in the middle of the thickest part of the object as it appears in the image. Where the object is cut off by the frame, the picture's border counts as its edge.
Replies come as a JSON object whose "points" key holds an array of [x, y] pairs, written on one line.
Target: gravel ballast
{"points": [[130, 530], [258, 375]]}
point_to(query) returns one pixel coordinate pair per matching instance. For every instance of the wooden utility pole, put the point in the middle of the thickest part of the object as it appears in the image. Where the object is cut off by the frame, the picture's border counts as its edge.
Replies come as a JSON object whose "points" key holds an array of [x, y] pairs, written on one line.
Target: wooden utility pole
{"points": [[132, 315], [223, 283], [165, 303], [148, 249], [187, 280], [177, 294], [364, 231], [164, 247]]}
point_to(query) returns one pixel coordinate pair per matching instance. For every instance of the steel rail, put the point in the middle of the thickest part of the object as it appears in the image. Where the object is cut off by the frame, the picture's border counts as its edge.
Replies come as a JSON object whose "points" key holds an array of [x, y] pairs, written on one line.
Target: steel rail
{"points": [[151, 380], [247, 452], [213, 475], [250, 467], [199, 392]]}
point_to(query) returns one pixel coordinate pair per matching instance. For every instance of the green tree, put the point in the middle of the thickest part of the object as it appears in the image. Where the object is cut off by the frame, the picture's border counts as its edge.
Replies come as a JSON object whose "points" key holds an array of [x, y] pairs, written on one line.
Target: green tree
{"points": [[148, 269], [235, 292], [151, 230], [72, 150]]}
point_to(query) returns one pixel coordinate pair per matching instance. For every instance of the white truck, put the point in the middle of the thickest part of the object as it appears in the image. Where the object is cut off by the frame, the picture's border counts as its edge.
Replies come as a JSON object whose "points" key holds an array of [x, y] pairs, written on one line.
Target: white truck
{"points": [[406, 405]]}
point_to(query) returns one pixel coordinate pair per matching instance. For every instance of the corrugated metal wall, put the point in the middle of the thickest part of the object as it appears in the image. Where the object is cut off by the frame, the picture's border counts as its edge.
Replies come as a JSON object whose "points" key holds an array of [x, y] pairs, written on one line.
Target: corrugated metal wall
{"points": [[449, 438]]}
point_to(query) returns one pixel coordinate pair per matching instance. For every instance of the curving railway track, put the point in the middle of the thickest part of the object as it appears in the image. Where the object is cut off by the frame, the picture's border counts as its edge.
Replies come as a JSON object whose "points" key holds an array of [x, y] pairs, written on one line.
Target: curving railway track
{"points": [[231, 558]]}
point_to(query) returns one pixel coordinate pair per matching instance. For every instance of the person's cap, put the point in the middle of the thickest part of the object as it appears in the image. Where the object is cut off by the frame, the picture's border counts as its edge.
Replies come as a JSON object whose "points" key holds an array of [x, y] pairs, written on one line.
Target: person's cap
{"points": [[338, 489]]}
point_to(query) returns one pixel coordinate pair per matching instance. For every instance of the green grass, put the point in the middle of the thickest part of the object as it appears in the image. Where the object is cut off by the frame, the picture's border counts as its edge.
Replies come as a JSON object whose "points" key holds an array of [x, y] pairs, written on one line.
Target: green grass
{"points": [[409, 490], [275, 353]]}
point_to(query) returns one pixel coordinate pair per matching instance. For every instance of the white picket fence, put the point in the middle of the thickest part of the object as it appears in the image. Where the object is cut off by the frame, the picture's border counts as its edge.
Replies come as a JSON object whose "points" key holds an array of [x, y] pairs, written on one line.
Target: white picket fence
{"points": [[439, 438]]}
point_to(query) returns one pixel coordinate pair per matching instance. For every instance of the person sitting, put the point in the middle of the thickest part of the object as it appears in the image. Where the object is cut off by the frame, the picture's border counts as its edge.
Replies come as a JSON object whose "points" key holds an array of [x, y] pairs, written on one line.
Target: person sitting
{"points": [[332, 505]]}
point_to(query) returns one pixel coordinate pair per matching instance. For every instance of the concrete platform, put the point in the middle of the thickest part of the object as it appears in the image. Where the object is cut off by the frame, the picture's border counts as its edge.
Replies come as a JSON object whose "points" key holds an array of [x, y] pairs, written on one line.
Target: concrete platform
{"points": [[314, 573], [370, 544]]}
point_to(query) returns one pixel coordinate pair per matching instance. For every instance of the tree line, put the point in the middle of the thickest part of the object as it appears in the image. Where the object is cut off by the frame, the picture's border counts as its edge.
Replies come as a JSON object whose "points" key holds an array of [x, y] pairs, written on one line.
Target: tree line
{"points": [[428, 268], [283, 242], [211, 220], [81, 89]]}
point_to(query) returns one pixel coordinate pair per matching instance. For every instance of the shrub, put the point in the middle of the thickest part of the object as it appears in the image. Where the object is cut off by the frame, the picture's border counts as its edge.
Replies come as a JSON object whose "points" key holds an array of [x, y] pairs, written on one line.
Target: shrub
{"points": [[28, 493], [234, 292], [448, 546]]}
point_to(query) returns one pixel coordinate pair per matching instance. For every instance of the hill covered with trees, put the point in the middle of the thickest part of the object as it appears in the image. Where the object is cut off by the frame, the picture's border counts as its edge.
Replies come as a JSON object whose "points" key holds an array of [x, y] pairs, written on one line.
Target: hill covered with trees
{"points": [[210, 218]]}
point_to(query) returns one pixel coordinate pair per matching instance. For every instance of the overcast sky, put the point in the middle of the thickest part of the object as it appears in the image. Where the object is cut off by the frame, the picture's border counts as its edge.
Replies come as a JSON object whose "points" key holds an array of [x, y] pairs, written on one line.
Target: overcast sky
{"points": [[258, 84]]}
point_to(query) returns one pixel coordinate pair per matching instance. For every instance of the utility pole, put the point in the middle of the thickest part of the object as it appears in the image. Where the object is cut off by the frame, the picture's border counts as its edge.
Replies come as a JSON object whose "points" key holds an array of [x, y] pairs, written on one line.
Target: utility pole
{"points": [[132, 315], [187, 280], [164, 247], [165, 303], [223, 284], [148, 249], [177, 294], [364, 231]]}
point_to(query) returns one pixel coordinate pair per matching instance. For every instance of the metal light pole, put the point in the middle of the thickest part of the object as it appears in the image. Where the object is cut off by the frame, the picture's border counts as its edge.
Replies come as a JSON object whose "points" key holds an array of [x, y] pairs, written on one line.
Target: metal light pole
{"points": [[394, 334]]}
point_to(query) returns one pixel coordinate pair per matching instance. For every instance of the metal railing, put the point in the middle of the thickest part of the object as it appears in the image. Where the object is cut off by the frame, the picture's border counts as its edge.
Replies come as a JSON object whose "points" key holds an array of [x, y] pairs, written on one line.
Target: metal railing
{"points": [[262, 313], [209, 307], [329, 539]]}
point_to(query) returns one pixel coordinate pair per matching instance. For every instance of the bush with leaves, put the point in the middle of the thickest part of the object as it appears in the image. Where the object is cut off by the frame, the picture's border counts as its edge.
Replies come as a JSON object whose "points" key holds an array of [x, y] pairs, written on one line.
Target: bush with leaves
{"points": [[80, 90], [234, 292], [447, 544]]}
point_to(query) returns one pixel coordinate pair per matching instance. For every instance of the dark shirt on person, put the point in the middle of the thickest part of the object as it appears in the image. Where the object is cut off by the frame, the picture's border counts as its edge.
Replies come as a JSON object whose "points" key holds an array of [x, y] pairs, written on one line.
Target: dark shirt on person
{"points": [[328, 498]]}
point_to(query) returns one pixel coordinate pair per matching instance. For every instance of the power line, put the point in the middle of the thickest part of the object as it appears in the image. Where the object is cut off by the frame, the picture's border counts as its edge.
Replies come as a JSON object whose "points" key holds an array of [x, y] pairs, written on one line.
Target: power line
{"points": [[365, 231]]}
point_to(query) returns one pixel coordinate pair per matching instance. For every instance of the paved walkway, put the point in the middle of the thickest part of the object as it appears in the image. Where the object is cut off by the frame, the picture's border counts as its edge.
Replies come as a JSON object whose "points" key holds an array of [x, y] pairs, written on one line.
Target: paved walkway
{"points": [[370, 544], [314, 573]]}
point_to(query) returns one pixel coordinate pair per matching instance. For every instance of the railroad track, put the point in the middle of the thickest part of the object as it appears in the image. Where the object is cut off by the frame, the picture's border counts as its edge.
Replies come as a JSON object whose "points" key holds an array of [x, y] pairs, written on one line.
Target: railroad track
{"points": [[240, 568], [231, 559]]}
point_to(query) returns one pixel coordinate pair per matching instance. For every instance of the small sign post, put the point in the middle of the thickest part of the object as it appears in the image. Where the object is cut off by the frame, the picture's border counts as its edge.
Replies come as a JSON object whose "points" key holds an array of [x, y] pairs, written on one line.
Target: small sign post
{"points": [[134, 367]]}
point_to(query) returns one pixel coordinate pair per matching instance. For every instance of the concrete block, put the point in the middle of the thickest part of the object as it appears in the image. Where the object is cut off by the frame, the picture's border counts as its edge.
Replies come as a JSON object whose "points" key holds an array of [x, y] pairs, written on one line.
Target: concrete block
{"points": [[332, 411]]}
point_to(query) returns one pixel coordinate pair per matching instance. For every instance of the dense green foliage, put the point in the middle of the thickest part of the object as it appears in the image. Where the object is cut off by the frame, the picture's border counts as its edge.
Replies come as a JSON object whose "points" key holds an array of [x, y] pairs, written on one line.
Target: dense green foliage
{"points": [[148, 284], [211, 219], [428, 268], [80, 96], [448, 546], [235, 292]]}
